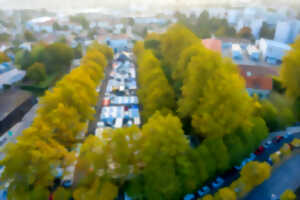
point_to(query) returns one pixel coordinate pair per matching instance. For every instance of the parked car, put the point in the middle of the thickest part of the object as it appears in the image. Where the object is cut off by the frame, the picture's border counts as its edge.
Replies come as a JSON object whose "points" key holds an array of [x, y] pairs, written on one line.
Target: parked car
{"points": [[259, 150], [203, 191], [252, 157], [277, 139], [218, 182], [189, 197], [287, 135], [267, 144]]}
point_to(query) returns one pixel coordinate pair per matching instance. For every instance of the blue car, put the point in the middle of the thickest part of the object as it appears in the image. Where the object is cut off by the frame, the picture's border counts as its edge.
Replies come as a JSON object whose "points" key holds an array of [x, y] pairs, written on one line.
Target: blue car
{"points": [[218, 182], [189, 197], [203, 191]]}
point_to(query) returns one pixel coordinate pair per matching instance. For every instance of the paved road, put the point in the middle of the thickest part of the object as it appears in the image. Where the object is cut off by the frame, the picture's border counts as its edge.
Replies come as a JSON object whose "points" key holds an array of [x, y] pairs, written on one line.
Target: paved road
{"points": [[19, 127], [93, 124], [286, 176]]}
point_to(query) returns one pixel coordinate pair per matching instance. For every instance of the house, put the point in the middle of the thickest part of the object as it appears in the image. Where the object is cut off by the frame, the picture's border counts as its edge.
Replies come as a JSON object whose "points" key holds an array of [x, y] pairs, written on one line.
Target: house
{"points": [[41, 24], [213, 44], [258, 79], [272, 51]]}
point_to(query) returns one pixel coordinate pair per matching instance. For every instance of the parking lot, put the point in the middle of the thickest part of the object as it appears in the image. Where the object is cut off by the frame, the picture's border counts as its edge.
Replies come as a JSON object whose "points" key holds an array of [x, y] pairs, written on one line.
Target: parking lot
{"points": [[120, 104]]}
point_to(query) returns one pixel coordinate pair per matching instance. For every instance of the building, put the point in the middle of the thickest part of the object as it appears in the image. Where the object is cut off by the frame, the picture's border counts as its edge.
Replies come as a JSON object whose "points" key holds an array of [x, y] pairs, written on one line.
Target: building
{"points": [[287, 31], [258, 79], [41, 24], [213, 44], [282, 32], [272, 51], [10, 75]]}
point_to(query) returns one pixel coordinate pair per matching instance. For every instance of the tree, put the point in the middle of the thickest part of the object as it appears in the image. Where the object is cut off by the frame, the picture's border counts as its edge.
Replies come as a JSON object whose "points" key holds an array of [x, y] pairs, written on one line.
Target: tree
{"points": [[266, 31], [163, 148], [174, 41], [36, 72], [80, 19], [62, 193], [3, 57], [152, 96], [4, 37], [215, 111], [29, 36], [208, 197], [57, 57], [31, 162], [78, 51], [235, 148], [290, 73], [95, 56], [225, 194], [254, 173], [104, 49], [288, 195], [269, 113], [219, 152], [245, 33]]}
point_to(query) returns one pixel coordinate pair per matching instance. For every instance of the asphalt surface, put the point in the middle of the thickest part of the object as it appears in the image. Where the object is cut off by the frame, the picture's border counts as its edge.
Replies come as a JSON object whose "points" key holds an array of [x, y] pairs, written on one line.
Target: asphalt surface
{"points": [[18, 128], [93, 123], [286, 176], [233, 174]]}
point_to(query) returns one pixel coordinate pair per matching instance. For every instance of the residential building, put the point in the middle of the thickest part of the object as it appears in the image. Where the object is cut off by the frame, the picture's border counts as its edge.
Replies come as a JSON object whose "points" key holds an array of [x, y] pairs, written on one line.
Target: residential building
{"points": [[282, 32], [41, 24], [272, 51], [213, 44]]}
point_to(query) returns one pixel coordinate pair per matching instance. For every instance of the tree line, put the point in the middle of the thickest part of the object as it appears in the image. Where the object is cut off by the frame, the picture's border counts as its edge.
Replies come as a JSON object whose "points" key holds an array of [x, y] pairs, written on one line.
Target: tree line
{"points": [[30, 164], [220, 121]]}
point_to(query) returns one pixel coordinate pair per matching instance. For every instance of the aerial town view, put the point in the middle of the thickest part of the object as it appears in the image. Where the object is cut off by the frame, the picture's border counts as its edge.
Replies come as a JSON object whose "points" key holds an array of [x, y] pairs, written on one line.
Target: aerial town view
{"points": [[149, 100]]}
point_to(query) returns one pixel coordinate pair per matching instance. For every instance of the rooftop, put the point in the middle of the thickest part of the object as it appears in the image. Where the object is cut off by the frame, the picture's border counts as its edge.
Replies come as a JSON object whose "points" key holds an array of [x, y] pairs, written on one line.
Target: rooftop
{"points": [[10, 100], [245, 60], [213, 44]]}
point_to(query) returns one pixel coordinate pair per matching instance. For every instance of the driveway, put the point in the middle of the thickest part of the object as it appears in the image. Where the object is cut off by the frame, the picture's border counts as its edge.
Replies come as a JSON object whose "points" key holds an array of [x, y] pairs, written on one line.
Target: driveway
{"points": [[286, 176]]}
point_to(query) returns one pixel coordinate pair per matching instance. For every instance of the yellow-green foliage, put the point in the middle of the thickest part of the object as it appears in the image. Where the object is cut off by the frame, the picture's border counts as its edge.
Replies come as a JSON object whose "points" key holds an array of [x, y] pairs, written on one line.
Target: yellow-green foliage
{"points": [[61, 117], [155, 93]]}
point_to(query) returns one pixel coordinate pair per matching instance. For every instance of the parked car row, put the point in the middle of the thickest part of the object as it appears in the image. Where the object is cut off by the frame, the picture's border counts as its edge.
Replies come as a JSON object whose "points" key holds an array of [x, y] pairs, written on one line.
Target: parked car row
{"points": [[120, 103], [219, 182]]}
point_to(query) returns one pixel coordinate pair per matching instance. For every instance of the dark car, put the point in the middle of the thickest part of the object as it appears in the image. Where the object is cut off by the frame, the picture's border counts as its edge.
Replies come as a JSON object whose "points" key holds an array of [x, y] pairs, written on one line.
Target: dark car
{"points": [[277, 139], [259, 150]]}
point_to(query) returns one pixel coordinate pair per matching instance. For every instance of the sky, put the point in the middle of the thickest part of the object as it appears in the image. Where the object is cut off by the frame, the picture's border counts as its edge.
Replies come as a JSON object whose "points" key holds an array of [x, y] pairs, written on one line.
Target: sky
{"points": [[77, 4]]}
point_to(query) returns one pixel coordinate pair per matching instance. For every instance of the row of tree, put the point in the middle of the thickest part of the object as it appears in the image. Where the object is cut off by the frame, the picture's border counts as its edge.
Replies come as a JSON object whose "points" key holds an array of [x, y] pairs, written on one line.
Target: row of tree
{"points": [[152, 78], [252, 175], [211, 102], [156, 161], [30, 164]]}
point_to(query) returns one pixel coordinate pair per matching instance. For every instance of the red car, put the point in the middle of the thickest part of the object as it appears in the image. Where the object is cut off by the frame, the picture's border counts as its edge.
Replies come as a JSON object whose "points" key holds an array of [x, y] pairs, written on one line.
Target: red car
{"points": [[259, 150]]}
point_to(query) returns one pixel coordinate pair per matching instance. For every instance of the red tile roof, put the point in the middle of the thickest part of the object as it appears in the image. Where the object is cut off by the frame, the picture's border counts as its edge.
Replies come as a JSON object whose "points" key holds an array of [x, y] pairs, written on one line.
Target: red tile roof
{"points": [[259, 82], [258, 77], [260, 70], [213, 44]]}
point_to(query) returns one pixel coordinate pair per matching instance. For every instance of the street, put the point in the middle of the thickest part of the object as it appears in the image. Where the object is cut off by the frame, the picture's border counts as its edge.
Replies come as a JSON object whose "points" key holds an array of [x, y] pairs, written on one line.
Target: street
{"points": [[18, 128], [284, 177]]}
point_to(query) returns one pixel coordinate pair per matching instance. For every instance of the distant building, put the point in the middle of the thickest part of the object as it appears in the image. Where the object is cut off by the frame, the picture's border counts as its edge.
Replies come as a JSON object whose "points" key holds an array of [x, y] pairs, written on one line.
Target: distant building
{"points": [[41, 24], [272, 51], [282, 32], [10, 75], [213, 44], [118, 43]]}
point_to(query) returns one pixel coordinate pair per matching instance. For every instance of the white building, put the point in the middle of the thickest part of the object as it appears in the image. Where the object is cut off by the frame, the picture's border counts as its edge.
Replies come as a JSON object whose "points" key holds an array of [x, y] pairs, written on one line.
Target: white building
{"points": [[41, 24], [272, 51], [10, 77], [282, 33], [287, 31]]}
